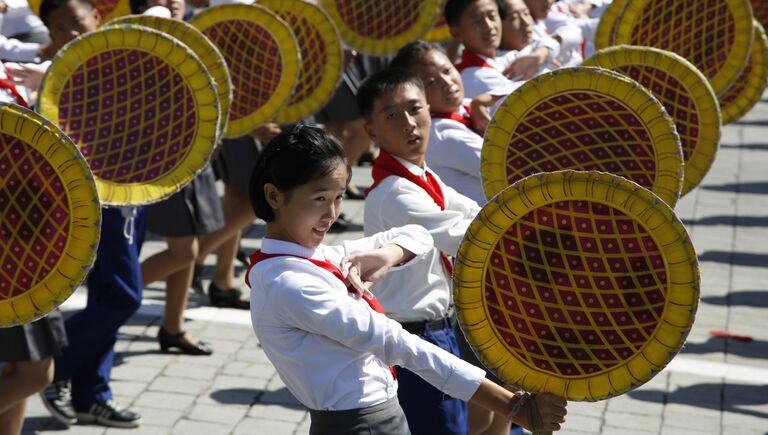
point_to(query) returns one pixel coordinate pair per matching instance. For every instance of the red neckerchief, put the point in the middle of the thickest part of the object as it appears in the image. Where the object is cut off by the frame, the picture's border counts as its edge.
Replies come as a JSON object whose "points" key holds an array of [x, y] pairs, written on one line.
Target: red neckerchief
{"points": [[470, 59], [458, 117], [328, 266], [10, 87], [386, 165]]}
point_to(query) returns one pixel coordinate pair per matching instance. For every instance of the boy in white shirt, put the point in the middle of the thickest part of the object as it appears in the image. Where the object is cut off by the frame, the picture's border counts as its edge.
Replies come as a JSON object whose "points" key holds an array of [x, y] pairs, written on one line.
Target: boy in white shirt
{"points": [[455, 139], [477, 25]]}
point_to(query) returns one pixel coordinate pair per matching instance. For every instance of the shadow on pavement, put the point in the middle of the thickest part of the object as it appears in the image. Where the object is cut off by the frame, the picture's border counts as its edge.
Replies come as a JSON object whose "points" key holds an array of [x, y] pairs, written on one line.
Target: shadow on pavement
{"points": [[730, 220], [751, 298], [747, 146], [725, 397], [749, 349], [735, 258], [759, 187], [756, 122], [251, 396]]}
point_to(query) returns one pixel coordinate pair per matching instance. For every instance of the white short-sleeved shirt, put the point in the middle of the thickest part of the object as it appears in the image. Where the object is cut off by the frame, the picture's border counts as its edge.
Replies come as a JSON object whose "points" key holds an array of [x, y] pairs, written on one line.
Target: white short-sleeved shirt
{"points": [[423, 290], [332, 350], [489, 78], [454, 154]]}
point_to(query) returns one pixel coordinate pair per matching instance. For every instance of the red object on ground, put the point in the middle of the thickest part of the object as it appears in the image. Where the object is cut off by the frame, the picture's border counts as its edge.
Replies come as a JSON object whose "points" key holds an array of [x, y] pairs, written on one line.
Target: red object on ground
{"points": [[725, 334]]}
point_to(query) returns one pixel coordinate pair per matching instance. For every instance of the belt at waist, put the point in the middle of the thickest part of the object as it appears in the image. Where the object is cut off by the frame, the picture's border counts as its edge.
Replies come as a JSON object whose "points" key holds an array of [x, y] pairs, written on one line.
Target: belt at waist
{"points": [[419, 327], [350, 416]]}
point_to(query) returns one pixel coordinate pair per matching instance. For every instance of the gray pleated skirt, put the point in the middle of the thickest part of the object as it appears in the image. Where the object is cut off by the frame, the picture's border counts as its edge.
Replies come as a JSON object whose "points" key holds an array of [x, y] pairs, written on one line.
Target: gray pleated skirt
{"points": [[385, 418]]}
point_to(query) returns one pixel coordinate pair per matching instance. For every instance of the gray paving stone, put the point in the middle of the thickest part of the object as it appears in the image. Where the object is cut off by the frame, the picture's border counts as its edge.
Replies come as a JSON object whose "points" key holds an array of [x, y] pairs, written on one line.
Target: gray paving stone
{"points": [[634, 422], [248, 369], [164, 400], [216, 413], [144, 429], [194, 427], [278, 412], [189, 370], [179, 385], [583, 423], [158, 417], [127, 388], [252, 426]]}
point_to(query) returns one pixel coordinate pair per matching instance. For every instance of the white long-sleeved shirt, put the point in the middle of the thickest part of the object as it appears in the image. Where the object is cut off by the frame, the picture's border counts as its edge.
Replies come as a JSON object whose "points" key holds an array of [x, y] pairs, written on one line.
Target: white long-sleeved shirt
{"points": [[454, 154], [332, 350], [423, 290], [18, 19]]}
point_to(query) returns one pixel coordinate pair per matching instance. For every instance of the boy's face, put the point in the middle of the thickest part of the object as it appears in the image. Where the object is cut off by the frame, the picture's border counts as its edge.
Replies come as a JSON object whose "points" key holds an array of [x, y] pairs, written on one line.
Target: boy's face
{"points": [[400, 123], [70, 21], [517, 28], [539, 8], [305, 214], [442, 82], [479, 27]]}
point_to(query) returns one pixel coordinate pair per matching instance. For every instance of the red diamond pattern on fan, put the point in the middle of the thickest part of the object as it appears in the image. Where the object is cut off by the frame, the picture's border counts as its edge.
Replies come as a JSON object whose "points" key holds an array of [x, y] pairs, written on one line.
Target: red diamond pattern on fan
{"points": [[678, 26], [130, 113], [575, 288], [737, 87], [674, 97], [391, 19], [313, 52], [254, 61], [34, 217], [581, 130]]}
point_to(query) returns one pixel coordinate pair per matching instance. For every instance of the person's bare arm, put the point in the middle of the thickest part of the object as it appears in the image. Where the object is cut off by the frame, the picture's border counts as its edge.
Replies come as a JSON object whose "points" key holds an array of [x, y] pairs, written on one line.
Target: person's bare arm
{"points": [[551, 409]]}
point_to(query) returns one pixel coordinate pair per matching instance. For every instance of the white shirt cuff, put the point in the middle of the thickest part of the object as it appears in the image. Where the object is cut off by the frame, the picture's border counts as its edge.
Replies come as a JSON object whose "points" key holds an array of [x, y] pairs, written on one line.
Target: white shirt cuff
{"points": [[464, 381]]}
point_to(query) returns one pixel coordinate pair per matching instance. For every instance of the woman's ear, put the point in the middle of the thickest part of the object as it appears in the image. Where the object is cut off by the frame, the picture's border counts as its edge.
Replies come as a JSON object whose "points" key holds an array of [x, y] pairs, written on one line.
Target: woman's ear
{"points": [[273, 196]]}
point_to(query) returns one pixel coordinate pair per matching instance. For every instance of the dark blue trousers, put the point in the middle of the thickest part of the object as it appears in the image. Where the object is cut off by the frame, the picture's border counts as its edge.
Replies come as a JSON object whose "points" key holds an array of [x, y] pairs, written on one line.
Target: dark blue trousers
{"points": [[428, 410], [114, 295]]}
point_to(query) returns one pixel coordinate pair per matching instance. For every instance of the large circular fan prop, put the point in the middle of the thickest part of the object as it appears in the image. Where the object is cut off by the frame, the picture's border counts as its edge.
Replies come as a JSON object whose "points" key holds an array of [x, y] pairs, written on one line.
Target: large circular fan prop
{"points": [[263, 59], [748, 88], [685, 94], [140, 106], [715, 36], [49, 216], [605, 35], [439, 31], [583, 119], [579, 284], [760, 11], [321, 57], [381, 27], [208, 54]]}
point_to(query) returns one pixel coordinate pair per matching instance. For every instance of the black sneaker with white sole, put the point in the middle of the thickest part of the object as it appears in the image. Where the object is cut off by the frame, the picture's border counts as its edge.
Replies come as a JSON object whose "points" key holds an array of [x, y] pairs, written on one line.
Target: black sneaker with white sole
{"points": [[57, 398], [109, 414]]}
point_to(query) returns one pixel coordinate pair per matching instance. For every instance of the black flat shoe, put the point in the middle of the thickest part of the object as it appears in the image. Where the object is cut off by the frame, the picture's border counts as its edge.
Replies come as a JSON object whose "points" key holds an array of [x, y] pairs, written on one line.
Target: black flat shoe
{"points": [[365, 159], [168, 341], [230, 298], [197, 280], [243, 257], [354, 193]]}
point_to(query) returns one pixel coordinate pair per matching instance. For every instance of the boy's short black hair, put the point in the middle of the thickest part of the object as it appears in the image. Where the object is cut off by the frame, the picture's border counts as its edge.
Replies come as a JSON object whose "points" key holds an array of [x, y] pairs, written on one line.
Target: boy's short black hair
{"points": [[454, 9], [291, 159], [412, 53], [382, 82], [47, 7]]}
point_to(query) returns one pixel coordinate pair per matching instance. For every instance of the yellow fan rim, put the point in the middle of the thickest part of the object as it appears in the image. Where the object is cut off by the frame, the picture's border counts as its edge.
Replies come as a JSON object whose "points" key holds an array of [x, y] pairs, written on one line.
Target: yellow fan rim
{"points": [[697, 86], [660, 127], [653, 215], [85, 216], [755, 82], [185, 63], [606, 27]]}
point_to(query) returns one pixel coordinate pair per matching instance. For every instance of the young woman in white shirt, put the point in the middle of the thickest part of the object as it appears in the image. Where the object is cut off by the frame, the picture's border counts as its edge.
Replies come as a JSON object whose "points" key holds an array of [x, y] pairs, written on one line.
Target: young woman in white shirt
{"points": [[315, 318]]}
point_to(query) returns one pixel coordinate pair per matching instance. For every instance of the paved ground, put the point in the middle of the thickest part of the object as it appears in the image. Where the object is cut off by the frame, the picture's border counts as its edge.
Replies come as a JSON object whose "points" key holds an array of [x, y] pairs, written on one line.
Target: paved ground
{"points": [[714, 386]]}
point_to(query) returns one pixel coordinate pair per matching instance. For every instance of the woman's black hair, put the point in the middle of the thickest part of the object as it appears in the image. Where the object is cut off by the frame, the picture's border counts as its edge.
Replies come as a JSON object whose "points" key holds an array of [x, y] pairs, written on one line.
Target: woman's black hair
{"points": [[47, 7], [291, 159], [454, 9], [413, 53]]}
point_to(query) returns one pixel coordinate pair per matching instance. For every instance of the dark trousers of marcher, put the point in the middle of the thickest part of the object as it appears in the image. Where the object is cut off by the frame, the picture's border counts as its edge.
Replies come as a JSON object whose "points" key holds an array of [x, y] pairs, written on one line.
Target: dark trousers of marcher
{"points": [[428, 410], [114, 295]]}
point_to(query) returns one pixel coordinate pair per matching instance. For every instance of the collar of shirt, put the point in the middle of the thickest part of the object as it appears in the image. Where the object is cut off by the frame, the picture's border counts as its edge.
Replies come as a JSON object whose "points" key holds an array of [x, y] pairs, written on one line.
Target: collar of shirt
{"points": [[415, 170], [274, 246]]}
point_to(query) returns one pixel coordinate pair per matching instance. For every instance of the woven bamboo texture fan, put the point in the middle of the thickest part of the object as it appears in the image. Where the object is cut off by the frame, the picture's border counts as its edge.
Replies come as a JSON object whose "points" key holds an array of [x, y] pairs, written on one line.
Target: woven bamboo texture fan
{"points": [[583, 119], [760, 11], [49, 216], [263, 59], [208, 54], [748, 88], [685, 94], [108, 9], [140, 106], [321, 57], [605, 35], [439, 31], [381, 27], [580, 284], [715, 36]]}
